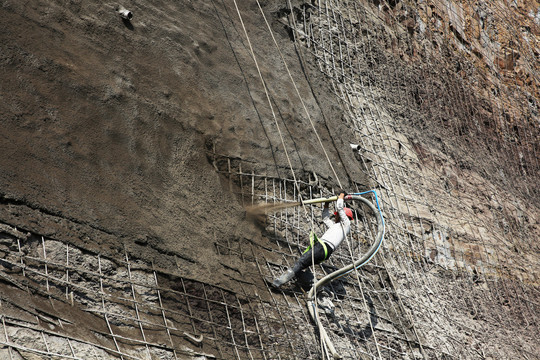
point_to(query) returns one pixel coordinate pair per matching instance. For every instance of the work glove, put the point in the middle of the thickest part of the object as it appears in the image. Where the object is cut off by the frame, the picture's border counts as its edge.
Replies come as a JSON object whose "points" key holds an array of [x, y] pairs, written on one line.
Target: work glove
{"points": [[339, 191]]}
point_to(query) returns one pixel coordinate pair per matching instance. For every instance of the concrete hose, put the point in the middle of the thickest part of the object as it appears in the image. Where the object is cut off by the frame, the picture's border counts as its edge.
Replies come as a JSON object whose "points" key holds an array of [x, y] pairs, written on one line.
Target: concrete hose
{"points": [[345, 270]]}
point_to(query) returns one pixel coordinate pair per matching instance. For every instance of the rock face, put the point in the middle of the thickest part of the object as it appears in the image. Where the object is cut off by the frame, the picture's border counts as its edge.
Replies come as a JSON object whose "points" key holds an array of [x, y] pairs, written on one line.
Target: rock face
{"points": [[132, 149]]}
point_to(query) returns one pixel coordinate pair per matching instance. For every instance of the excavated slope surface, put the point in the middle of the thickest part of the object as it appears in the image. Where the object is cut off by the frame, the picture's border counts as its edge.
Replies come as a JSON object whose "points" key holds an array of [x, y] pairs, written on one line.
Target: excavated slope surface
{"points": [[131, 149]]}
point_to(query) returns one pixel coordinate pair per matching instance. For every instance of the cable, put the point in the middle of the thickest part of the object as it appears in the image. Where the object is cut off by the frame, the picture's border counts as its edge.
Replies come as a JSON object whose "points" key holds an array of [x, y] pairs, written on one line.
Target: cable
{"points": [[267, 95]]}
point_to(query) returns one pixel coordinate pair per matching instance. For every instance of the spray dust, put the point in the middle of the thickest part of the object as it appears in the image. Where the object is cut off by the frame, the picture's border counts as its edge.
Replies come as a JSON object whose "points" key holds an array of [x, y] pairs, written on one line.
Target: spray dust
{"points": [[263, 209], [257, 213]]}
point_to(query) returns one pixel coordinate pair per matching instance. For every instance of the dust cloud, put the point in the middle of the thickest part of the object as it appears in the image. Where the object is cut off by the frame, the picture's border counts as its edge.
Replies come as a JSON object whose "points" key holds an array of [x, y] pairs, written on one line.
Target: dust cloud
{"points": [[258, 212], [259, 209]]}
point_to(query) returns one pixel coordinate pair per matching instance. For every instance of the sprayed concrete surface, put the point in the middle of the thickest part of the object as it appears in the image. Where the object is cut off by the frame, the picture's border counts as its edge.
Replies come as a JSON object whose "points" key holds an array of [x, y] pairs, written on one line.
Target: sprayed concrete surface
{"points": [[131, 152]]}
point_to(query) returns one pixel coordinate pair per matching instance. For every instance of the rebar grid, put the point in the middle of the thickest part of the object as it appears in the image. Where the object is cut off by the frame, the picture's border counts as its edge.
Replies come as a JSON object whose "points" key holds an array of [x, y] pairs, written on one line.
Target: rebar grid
{"points": [[377, 133], [289, 230], [134, 307], [434, 234], [416, 300], [286, 225]]}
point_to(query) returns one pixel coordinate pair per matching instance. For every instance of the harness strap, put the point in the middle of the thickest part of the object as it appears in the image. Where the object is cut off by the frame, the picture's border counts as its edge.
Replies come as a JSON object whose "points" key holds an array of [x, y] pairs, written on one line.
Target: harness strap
{"points": [[312, 238]]}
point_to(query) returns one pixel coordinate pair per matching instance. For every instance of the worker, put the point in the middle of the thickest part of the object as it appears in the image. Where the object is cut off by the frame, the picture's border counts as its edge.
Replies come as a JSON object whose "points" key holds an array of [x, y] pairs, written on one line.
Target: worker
{"points": [[321, 249]]}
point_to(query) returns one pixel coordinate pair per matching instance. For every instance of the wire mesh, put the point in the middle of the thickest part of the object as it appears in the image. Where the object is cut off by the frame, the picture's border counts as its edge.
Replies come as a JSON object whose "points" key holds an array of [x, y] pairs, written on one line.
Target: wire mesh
{"points": [[448, 283]]}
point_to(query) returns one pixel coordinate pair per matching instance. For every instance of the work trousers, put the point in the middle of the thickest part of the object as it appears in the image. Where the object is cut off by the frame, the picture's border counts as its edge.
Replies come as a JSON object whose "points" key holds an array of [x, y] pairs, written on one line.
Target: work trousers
{"points": [[307, 258]]}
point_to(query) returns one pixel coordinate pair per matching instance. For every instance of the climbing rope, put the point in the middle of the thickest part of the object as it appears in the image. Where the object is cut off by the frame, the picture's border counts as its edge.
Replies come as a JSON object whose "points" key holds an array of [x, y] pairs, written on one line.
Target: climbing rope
{"points": [[272, 108], [326, 344], [308, 117], [267, 94], [297, 91]]}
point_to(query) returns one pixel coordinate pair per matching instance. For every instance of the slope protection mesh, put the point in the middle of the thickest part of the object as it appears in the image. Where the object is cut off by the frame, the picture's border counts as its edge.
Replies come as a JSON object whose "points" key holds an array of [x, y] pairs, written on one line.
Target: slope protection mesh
{"points": [[456, 277]]}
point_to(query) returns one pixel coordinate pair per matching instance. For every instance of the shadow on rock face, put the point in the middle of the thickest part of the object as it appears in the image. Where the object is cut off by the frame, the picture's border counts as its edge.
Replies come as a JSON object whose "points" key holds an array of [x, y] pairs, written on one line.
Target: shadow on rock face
{"points": [[128, 24]]}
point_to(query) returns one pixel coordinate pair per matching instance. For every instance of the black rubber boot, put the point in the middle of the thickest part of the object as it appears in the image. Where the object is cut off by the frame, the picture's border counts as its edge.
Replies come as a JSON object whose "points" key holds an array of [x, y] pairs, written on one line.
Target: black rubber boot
{"points": [[287, 275]]}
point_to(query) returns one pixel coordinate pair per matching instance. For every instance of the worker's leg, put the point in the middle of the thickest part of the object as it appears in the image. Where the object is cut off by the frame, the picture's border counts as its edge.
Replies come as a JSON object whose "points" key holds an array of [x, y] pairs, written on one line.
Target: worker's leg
{"points": [[315, 255]]}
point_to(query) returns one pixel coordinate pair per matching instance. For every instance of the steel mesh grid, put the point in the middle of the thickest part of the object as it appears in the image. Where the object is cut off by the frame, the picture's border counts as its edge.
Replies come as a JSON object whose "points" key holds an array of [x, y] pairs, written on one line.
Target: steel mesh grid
{"points": [[409, 242], [380, 139], [136, 311]]}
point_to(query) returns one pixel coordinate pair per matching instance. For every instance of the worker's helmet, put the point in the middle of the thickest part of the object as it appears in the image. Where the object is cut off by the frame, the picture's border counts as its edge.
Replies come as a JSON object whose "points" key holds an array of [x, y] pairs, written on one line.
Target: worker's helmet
{"points": [[348, 212]]}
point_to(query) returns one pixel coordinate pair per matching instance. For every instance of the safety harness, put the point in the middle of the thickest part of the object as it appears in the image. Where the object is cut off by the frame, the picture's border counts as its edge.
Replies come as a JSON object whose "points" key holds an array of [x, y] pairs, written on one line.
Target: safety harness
{"points": [[312, 238]]}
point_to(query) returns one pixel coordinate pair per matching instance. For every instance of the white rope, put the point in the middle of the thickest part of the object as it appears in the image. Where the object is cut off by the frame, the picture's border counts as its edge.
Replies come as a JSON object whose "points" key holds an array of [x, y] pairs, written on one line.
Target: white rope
{"points": [[267, 95], [297, 91], [327, 347], [363, 297], [346, 270], [273, 114], [325, 350]]}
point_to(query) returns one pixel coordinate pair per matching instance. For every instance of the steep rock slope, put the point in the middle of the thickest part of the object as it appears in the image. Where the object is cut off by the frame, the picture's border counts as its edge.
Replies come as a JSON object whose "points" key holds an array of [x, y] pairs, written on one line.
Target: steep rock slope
{"points": [[131, 148], [107, 124]]}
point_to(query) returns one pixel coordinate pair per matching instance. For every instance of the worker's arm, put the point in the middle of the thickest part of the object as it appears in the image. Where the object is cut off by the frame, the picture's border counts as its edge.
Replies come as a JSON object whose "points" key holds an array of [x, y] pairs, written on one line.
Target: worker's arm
{"points": [[326, 214], [340, 205]]}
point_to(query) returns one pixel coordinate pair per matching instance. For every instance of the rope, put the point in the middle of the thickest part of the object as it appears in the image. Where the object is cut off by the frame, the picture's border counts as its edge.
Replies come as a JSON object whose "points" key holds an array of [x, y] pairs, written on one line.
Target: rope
{"points": [[270, 102], [305, 109], [361, 282], [273, 113], [297, 91], [329, 347], [326, 345], [267, 95]]}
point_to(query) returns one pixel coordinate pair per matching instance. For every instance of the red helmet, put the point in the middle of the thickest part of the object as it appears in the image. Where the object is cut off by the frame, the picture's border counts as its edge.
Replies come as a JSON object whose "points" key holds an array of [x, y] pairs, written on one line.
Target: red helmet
{"points": [[348, 212]]}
